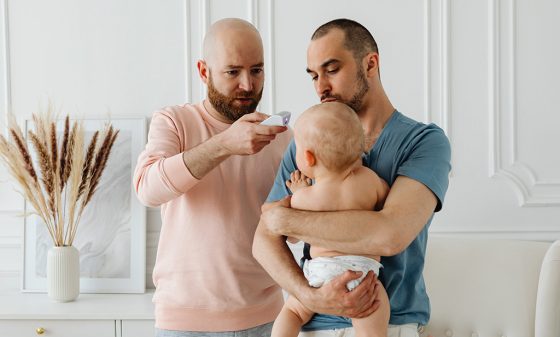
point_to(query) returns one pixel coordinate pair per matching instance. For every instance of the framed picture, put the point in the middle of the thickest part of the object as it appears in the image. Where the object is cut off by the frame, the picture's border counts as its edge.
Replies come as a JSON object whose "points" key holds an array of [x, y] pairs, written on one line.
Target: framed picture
{"points": [[111, 235]]}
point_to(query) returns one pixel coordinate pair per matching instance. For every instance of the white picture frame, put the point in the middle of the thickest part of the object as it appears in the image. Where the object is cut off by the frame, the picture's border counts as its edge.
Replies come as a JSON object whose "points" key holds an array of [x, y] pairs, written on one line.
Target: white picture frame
{"points": [[111, 236]]}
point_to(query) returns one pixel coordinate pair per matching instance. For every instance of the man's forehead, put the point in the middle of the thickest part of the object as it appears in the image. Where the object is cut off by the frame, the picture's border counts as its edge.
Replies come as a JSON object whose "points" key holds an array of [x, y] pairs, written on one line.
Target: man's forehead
{"points": [[322, 56], [238, 55]]}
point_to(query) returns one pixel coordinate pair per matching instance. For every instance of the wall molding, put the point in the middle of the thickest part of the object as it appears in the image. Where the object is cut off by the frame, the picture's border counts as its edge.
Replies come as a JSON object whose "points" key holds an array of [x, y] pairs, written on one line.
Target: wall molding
{"points": [[197, 20], [526, 232], [253, 8], [261, 15], [437, 73], [5, 92], [437, 104], [204, 24], [504, 157], [187, 50], [270, 59]]}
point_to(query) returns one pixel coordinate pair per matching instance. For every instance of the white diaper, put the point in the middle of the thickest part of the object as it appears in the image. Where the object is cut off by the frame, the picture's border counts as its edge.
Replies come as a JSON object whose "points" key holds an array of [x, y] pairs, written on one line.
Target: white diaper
{"points": [[321, 270]]}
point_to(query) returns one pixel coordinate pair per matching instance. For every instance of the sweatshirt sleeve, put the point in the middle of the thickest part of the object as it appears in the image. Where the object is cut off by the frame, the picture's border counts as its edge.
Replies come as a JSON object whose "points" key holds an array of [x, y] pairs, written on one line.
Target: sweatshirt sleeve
{"points": [[161, 174]]}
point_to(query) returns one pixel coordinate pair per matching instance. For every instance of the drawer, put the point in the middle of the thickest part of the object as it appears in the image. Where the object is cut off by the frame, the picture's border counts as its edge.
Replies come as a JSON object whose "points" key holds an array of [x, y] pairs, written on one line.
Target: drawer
{"points": [[58, 328], [138, 328]]}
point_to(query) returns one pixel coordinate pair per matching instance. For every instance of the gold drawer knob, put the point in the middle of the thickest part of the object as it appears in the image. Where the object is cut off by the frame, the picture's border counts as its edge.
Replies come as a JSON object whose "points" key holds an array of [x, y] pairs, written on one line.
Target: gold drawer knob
{"points": [[40, 331]]}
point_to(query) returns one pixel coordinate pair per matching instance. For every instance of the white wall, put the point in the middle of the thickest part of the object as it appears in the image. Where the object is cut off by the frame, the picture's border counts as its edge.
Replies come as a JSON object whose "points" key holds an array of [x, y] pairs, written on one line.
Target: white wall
{"points": [[484, 70]]}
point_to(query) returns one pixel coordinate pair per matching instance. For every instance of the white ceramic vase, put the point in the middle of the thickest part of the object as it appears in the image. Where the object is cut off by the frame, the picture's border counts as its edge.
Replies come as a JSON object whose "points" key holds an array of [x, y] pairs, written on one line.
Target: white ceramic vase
{"points": [[63, 273]]}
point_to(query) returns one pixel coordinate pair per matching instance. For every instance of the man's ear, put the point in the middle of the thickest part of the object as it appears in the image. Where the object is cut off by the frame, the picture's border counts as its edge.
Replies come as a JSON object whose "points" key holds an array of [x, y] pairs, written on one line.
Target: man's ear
{"points": [[203, 71], [310, 159], [372, 63]]}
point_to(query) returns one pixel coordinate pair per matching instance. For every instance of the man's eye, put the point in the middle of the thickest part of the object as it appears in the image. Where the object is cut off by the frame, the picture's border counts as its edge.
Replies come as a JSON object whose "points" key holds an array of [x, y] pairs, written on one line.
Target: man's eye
{"points": [[232, 72], [332, 71], [314, 78], [257, 71]]}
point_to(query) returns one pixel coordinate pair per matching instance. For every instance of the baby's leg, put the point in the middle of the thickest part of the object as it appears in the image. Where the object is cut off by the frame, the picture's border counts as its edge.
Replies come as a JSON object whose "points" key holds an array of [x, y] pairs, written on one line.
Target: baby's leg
{"points": [[291, 318], [374, 325]]}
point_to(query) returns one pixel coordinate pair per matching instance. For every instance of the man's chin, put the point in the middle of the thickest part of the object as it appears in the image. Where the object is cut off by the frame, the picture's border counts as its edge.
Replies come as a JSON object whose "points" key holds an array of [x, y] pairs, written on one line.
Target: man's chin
{"points": [[239, 112], [244, 109]]}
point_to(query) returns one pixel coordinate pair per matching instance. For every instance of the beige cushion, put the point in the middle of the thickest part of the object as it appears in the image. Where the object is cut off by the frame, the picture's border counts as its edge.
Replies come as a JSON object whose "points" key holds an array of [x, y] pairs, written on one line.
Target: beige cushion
{"points": [[488, 287]]}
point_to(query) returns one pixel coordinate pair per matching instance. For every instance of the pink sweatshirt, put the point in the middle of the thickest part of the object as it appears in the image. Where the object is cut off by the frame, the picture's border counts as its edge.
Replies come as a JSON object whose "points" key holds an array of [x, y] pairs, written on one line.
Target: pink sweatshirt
{"points": [[205, 276]]}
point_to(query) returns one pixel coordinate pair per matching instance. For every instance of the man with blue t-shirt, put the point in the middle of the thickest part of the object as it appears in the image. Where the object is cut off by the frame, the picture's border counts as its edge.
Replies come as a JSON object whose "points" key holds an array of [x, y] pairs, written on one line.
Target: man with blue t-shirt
{"points": [[413, 158]]}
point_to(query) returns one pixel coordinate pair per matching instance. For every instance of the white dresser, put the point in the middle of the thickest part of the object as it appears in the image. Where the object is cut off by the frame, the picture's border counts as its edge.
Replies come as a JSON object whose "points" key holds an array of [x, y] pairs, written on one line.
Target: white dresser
{"points": [[95, 315]]}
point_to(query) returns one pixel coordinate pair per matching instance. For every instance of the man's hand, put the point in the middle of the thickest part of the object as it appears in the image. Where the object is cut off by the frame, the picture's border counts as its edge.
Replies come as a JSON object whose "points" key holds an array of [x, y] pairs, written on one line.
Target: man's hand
{"points": [[275, 214], [245, 136], [284, 202], [334, 298]]}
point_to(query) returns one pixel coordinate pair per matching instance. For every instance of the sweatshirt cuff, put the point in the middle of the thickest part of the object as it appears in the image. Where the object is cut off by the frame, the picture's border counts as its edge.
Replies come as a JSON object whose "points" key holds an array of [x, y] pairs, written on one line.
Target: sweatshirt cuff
{"points": [[177, 174]]}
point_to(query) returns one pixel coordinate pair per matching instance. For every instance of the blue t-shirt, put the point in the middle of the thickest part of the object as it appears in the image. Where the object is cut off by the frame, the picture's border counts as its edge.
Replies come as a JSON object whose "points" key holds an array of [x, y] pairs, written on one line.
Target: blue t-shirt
{"points": [[404, 148]]}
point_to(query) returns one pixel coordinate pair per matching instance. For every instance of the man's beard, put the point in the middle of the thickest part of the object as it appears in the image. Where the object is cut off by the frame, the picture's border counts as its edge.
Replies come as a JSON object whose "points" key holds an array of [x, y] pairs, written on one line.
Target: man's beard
{"points": [[356, 102], [226, 106]]}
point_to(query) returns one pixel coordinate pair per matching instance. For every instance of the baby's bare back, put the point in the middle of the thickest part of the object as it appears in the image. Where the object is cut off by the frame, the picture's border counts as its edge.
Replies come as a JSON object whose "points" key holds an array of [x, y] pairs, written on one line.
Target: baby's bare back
{"points": [[360, 190]]}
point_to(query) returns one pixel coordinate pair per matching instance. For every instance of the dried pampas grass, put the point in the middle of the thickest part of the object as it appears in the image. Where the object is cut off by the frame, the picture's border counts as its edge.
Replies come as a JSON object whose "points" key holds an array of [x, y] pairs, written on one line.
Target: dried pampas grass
{"points": [[62, 181]]}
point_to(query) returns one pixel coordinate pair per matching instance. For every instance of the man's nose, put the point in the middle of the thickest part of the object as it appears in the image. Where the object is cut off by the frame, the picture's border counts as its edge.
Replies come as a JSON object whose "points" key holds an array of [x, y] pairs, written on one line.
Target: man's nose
{"points": [[245, 82], [322, 86]]}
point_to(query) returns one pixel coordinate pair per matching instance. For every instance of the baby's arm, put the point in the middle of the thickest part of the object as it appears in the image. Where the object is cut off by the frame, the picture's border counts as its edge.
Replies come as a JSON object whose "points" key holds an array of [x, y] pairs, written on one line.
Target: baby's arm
{"points": [[297, 181], [300, 185]]}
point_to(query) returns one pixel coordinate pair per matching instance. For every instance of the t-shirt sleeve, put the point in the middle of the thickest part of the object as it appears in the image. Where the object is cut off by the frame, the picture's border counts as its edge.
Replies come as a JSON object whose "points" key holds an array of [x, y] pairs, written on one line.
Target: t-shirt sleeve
{"points": [[287, 166], [429, 161]]}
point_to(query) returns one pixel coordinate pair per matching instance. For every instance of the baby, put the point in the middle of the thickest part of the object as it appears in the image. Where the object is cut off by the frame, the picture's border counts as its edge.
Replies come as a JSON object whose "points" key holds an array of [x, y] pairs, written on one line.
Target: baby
{"points": [[330, 142]]}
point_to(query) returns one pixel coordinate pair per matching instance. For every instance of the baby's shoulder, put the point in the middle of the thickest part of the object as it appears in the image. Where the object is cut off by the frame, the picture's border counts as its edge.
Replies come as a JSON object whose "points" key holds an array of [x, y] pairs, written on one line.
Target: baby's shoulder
{"points": [[365, 176], [365, 186], [310, 198]]}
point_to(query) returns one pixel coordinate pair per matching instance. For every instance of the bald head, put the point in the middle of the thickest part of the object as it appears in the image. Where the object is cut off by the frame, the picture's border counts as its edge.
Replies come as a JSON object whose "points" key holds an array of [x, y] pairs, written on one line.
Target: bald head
{"points": [[333, 132], [230, 34]]}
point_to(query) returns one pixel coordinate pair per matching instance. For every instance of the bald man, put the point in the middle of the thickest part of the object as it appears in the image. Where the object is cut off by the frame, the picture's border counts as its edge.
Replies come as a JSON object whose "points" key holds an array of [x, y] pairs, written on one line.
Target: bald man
{"points": [[209, 166]]}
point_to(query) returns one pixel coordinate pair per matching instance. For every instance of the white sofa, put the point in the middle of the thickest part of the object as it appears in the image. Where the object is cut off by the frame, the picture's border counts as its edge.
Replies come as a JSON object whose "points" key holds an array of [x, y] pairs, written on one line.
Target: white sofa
{"points": [[490, 287]]}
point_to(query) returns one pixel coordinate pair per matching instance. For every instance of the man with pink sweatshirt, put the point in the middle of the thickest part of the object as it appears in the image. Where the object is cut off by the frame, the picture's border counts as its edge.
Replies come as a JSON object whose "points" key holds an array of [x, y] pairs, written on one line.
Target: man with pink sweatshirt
{"points": [[210, 166]]}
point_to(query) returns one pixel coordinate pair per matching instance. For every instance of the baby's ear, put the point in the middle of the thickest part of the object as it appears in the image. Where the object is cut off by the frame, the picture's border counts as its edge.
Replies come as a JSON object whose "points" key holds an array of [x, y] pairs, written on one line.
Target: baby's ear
{"points": [[310, 159]]}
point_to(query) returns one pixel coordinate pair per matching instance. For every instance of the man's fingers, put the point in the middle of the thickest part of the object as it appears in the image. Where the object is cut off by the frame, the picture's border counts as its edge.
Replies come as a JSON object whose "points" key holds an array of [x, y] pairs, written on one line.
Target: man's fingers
{"points": [[362, 297], [254, 117], [269, 130], [347, 276], [264, 138], [376, 290], [284, 202], [370, 310]]}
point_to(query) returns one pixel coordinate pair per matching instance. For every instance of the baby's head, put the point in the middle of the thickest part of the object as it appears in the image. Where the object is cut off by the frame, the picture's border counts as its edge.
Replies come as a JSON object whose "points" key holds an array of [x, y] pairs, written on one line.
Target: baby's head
{"points": [[331, 133]]}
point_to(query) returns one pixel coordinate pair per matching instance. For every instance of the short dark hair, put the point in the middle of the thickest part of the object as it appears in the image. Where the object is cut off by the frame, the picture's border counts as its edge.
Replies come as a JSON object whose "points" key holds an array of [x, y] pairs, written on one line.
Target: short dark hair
{"points": [[357, 38]]}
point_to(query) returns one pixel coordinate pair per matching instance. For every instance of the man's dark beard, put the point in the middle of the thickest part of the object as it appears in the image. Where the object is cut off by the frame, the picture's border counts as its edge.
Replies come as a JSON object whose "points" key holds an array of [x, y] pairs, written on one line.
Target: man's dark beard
{"points": [[225, 105], [356, 101]]}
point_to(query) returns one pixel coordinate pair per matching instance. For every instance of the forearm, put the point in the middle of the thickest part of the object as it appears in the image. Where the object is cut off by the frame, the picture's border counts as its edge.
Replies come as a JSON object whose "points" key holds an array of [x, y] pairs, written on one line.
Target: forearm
{"points": [[272, 252], [350, 232], [160, 177], [204, 157], [388, 232]]}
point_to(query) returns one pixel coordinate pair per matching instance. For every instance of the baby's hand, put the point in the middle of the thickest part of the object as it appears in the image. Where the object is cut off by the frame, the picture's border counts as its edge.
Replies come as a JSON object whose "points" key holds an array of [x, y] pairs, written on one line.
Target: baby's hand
{"points": [[297, 181]]}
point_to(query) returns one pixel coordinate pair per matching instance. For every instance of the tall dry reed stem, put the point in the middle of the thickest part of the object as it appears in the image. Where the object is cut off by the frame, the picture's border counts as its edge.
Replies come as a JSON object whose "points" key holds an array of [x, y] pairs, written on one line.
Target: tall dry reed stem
{"points": [[66, 176], [98, 166]]}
